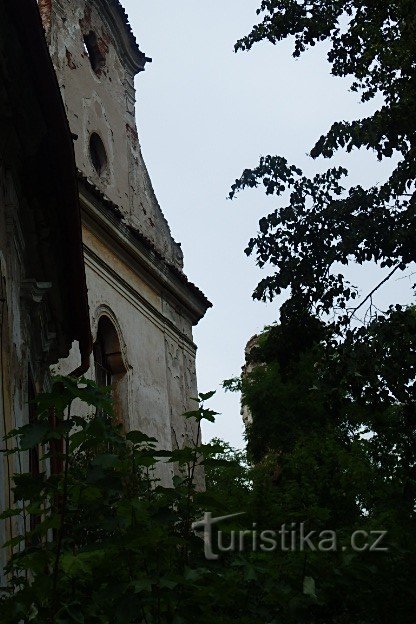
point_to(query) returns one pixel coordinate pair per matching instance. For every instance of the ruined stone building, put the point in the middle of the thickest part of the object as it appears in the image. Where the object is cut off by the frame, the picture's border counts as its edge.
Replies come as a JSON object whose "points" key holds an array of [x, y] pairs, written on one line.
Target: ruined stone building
{"points": [[142, 306], [43, 294], [91, 280], [248, 368]]}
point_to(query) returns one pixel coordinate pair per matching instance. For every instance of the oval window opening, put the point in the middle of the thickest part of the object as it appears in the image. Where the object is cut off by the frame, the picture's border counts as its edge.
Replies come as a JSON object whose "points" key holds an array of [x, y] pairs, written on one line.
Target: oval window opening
{"points": [[98, 153], [92, 49]]}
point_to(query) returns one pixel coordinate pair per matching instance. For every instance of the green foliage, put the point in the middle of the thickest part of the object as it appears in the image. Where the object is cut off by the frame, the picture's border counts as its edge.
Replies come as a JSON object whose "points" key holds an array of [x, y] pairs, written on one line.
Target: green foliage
{"points": [[108, 543], [332, 402], [228, 479], [332, 440], [323, 225], [374, 43]]}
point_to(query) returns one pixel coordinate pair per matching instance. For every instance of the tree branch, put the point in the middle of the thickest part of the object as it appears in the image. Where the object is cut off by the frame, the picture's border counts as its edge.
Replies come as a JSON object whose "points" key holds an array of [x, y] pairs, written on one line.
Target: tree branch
{"points": [[386, 279]]}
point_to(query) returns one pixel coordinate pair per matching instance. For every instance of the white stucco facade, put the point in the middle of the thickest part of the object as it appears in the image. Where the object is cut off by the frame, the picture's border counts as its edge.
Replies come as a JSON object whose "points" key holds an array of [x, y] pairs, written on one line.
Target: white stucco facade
{"points": [[134, 267]]}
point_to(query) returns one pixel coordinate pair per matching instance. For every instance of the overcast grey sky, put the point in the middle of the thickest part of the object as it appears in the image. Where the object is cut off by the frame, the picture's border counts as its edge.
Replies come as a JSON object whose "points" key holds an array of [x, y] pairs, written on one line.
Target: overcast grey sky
{"points": [[204, 114]]}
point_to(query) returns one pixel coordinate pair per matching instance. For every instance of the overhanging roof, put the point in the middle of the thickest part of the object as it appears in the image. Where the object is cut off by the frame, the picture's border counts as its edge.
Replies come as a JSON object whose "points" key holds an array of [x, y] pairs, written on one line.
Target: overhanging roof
{"points": [[46, 170]]}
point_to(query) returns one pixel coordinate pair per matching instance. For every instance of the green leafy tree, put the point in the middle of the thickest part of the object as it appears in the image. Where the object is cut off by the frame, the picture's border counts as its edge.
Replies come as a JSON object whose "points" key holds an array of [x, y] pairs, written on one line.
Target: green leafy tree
{"points": [[228, 478], [323, 225], [332, 443], [332, 395]]}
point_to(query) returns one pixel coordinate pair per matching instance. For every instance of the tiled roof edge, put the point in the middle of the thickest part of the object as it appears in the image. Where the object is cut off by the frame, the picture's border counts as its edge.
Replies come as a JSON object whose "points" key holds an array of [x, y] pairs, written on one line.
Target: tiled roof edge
{"points": [[140, 237], [130, 34]]}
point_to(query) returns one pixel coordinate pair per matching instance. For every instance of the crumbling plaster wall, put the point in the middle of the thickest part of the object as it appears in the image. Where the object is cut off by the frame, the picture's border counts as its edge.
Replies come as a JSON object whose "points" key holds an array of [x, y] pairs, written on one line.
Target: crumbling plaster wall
{"points": [[154, 332], [157, 349], [16, 334], [104, 102], [27, 341], [15, 343]]}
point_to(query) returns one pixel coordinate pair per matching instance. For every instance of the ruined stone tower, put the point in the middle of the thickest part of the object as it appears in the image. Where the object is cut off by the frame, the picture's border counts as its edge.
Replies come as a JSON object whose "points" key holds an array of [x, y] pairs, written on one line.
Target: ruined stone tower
{"points": [[142, 306]]}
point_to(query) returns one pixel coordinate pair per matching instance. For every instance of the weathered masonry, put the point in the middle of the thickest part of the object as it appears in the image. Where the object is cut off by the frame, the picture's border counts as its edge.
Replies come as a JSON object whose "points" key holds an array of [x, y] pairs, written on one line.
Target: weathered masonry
{"points": [[143, 308], [43, 293]]}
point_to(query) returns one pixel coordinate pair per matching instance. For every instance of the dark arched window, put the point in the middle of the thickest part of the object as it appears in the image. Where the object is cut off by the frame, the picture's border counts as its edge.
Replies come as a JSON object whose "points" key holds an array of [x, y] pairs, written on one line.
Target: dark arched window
{"points": [[110, 369], [107, 352]]}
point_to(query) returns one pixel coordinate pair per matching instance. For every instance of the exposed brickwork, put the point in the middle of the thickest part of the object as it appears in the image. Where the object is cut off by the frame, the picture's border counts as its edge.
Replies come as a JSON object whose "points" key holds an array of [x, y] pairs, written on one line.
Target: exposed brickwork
{"points": [[45, 9]]}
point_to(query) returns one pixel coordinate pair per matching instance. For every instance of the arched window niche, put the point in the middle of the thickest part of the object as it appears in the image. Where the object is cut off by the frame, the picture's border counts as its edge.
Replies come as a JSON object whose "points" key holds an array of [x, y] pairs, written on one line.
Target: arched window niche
{"points": [[94, 52], [98, 154], [110, 367]]}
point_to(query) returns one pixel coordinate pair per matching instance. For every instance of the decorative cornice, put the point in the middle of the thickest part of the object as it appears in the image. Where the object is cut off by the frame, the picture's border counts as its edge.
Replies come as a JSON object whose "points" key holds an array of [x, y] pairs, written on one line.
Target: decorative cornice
{"points": [[169, 276], [119, 21], [129, 292]]}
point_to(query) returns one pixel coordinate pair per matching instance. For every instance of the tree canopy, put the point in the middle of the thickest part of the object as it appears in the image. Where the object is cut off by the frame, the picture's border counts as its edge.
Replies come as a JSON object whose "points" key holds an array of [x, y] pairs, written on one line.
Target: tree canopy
{"points": [[331, 447], [324, 224], [332, 393]]}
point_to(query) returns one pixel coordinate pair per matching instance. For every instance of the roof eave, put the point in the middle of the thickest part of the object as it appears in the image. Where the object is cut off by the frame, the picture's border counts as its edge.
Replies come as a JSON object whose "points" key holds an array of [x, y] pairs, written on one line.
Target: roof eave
{"points": [[129, 47]]}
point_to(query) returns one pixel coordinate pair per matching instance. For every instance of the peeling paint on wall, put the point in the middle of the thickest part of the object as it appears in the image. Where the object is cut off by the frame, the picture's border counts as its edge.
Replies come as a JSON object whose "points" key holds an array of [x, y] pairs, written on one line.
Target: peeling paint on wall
{"points": [[45, 9], [120, 209]]}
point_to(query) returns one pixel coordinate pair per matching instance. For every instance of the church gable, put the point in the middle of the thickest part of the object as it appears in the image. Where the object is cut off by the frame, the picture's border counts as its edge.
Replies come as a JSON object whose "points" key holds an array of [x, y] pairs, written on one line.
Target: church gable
{"points": [[96, 58]]}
